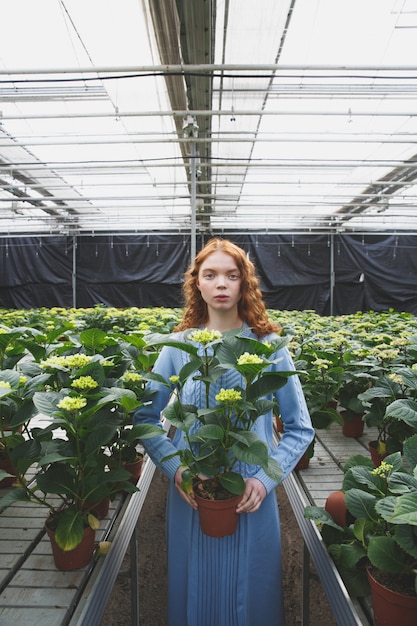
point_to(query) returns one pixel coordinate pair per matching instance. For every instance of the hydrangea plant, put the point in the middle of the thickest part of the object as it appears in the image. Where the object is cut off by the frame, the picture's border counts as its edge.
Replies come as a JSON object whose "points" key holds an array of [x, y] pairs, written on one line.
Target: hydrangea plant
{"points": [[82, 388], [382, 532], [220, 434]]}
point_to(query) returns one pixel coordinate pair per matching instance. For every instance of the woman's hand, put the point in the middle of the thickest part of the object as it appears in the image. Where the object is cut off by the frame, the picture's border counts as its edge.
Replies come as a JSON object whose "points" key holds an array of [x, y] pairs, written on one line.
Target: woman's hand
{"points": [[187, 497], [252, 497]]}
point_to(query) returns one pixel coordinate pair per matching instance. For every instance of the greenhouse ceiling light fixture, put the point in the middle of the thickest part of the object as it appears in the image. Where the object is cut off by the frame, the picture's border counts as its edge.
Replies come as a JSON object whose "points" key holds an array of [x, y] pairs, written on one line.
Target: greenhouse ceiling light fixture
{"points": [[190, 127]]}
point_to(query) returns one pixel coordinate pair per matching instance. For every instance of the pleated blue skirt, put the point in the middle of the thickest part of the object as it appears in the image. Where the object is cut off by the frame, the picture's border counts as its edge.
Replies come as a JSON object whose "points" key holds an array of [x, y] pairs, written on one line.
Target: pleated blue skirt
{"points": [[231, 581]]}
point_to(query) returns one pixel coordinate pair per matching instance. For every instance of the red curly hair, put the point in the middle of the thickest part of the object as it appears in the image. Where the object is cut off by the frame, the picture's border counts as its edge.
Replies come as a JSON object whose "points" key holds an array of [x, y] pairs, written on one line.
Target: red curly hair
{"points": [[251, 307]]}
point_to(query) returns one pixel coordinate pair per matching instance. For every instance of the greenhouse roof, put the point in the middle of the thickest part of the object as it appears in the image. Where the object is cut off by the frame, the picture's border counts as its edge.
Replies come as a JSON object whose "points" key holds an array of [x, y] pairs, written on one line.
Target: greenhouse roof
{"points": [[208, 115]]}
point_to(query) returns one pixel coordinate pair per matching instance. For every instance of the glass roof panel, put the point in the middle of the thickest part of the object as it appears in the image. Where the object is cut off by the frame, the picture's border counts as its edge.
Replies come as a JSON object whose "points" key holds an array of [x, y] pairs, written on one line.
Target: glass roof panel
{"points": [[311, 116]]}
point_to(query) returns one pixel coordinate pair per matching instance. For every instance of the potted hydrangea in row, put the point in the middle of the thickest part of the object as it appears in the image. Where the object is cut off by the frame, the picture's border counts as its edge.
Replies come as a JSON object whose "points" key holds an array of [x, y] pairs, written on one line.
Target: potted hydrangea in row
{"points": [[81, 390], [375, 548]]}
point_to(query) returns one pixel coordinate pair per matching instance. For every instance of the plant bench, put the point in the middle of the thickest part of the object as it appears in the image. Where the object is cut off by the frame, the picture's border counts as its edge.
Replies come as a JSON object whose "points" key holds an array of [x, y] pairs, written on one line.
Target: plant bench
{"points": [[33, 591]]}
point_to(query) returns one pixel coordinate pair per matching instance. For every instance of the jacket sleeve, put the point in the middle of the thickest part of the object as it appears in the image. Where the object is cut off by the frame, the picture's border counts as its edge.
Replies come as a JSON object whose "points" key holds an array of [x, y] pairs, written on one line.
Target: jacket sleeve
{"points": [[159, 447], [298, 429]]}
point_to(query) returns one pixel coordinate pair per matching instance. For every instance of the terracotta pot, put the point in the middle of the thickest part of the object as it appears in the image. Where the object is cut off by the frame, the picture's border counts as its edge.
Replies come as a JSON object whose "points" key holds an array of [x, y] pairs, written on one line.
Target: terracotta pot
{"points": [[375, 456], [135, 468], [336, 507], [5, 464], [218, 518], [391, 607], [352, 427], [66, 560], [303, 463], [279, 425]]}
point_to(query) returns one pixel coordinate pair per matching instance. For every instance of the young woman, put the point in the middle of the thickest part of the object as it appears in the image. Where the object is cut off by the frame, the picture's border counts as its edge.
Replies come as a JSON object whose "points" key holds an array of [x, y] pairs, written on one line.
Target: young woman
{"points": [[235, 580]]}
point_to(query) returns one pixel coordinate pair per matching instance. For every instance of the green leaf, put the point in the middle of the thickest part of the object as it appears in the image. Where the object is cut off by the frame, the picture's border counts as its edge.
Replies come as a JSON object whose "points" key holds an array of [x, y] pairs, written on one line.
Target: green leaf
{"points": [[267, 384], [56, 457], [144, 431], [210, 432], [116, 394], [93, 339], [348, 562], [183, 419], [404, 410], [233, 482], [255, 454], [324, 418], [246, 437], [35, 383], [155, 377], [135, 340], [361, 476], [358, 459], [405, 510], [409, 377], [263, 406], [406, 537], [410, 451], [26, 454], [385, 554], [319, 515], [376, 392], [161, 339], [189, 369], [69, 530], [58, 478], [4, 474], [37, 350], [351, 554], [46, 401], [15, 495], [385, 507], [273, 470], [356, 581], [400, 483], [361, 504], [99, 437], [10, 376]]}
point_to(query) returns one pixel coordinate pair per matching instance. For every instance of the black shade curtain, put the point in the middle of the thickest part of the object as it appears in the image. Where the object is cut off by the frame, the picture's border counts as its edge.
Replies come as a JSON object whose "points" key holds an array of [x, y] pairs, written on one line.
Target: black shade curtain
{"points": [[370, 272]]}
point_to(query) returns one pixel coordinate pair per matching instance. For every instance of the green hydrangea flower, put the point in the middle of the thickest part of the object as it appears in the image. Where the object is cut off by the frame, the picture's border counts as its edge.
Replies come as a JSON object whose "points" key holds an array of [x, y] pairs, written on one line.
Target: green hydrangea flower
{"points": [[132, 377], [72, 404], [383, 470], [84, 382], [72, 361], [228, 395], [247, 358], [322, 364], [204, 336]]}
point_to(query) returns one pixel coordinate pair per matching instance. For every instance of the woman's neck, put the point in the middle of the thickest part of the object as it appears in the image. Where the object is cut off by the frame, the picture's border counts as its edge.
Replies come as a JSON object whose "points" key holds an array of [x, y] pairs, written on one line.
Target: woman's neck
{"points": [[223, 323]]}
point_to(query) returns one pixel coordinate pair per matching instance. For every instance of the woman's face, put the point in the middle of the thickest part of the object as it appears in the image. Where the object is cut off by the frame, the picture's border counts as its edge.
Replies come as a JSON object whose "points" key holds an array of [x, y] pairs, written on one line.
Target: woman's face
{"points": [[219, 281]]}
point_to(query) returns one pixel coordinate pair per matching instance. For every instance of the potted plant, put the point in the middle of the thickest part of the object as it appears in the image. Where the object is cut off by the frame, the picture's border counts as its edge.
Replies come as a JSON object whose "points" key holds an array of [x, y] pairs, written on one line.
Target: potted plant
{"points": [[391, 407], [380, 545], [82, 402], [320, 375], [358, 376], [125, 449], [219, 436]]}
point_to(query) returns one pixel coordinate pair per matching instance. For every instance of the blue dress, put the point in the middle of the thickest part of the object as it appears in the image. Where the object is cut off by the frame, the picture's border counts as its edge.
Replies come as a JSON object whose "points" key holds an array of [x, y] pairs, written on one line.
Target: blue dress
{"points": [[235, 580]]}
